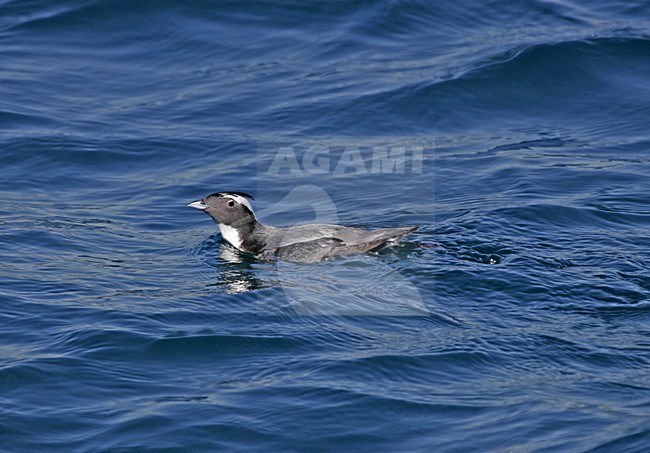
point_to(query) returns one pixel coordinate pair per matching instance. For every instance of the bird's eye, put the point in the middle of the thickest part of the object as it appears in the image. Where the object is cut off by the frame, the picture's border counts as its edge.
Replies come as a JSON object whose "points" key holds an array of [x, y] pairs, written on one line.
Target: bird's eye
{"points": [[231, 203]]}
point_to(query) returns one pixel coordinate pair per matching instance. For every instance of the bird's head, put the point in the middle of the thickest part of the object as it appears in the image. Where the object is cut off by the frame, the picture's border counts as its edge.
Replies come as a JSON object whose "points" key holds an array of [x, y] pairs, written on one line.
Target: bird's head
{"points": [[227, 208]]}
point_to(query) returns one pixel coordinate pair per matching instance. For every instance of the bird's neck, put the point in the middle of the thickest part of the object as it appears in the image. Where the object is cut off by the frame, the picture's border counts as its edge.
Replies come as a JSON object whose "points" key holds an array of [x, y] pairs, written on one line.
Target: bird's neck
{"points": [[243, 235]]}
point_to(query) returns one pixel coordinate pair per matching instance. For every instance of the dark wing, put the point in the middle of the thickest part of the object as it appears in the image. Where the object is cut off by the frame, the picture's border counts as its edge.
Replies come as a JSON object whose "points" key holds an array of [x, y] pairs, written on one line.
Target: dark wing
{"points": [[308, 251], [316, 250]]}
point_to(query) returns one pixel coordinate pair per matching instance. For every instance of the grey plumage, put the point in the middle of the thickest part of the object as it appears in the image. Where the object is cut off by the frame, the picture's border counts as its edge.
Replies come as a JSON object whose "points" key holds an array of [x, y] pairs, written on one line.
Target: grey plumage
{"points": [[303, 243]]}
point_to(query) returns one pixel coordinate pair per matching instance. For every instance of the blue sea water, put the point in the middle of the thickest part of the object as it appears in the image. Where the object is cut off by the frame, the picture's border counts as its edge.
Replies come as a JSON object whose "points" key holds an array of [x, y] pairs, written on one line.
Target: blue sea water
{"points": [[515, 134]]}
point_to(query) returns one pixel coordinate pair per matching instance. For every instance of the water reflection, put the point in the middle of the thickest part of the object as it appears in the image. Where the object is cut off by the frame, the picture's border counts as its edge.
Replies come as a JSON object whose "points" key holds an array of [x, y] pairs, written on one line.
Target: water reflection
{"points": [[358, 285], [236, 271]]}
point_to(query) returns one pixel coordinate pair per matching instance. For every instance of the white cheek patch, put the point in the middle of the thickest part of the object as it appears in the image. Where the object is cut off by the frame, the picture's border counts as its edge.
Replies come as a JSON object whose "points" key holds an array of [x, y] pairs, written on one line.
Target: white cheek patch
{"points": [[241, 200], [231, 235]]}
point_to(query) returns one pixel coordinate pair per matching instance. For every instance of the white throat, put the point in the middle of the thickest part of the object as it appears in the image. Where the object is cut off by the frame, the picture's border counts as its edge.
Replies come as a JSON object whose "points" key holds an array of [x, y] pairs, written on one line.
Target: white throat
{"points": [[231, 235]]}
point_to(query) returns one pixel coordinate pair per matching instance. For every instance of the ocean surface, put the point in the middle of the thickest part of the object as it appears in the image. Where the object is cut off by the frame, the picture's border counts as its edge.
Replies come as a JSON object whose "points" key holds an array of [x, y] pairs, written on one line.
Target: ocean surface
{"points": [[516, 134]]}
